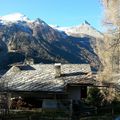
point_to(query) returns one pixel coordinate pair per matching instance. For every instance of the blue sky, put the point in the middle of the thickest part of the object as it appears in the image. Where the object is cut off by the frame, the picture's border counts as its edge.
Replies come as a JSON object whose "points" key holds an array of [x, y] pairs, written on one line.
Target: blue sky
{"points": [[57, 12]]}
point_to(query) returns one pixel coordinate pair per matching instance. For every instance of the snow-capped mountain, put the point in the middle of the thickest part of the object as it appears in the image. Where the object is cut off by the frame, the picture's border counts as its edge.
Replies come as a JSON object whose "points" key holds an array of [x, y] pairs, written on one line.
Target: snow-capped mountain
{"points": [[80, 30], [16, 17], [36, 39]]}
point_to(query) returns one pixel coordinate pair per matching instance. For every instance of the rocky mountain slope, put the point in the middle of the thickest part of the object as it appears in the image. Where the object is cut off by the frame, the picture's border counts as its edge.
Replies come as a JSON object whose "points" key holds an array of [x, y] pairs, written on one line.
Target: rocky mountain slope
{"points": [[22, 38], [81, 30]]}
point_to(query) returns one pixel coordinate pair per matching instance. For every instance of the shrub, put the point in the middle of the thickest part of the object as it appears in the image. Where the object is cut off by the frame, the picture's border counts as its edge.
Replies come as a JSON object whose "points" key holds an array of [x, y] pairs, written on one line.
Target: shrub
{"points": [[95, 97]]}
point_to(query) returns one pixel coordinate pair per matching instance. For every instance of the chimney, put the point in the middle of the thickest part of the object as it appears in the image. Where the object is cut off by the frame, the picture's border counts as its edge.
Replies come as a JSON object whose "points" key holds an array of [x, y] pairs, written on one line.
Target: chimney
{"points": [[57, 70]]}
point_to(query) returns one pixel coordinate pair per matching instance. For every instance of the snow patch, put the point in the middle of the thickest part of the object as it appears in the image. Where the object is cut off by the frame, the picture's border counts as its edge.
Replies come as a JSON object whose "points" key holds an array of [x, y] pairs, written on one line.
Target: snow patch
{"points": [[15, 17]]}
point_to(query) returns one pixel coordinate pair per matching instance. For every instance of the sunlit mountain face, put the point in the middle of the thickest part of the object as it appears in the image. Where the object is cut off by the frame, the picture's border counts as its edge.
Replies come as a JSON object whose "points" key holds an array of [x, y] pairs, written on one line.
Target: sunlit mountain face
{"points": [[21, 37]]}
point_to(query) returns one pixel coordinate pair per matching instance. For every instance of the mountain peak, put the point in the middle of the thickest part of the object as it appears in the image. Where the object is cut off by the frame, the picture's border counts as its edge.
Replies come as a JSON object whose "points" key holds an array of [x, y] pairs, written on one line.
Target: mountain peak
{"points": [[83, 29], [14, 17], [39, 21], [86, 22]]}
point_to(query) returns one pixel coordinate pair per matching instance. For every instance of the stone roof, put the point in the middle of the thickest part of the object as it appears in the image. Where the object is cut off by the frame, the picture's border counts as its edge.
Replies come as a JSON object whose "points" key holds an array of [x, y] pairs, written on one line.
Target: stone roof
{"points": [[41, 77]]}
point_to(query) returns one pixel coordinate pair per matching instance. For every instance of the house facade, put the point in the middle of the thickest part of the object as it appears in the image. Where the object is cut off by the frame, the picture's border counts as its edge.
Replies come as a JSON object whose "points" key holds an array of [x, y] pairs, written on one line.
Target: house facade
{"points": [[46, 85]]}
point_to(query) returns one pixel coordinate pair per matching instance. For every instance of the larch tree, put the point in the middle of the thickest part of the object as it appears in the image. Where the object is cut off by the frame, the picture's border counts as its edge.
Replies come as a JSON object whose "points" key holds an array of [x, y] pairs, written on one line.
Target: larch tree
{"points": [[112, 12], [112, 19], [112, 42]]}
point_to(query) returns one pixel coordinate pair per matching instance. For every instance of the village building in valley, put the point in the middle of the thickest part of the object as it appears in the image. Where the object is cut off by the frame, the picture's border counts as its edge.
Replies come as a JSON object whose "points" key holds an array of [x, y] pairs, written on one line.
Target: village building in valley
{"points": [[46, 86]]}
